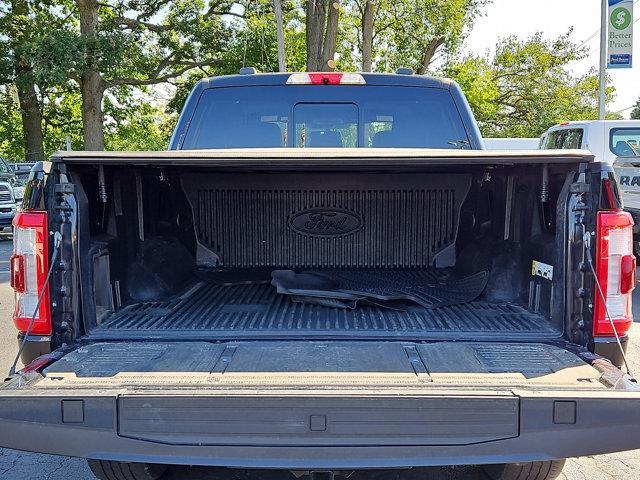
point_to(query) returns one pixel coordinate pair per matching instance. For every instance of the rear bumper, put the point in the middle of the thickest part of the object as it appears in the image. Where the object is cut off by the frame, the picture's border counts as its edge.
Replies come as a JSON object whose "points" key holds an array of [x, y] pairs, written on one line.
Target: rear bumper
{"points": [[35, 346], [608, 348], [316, 433]]}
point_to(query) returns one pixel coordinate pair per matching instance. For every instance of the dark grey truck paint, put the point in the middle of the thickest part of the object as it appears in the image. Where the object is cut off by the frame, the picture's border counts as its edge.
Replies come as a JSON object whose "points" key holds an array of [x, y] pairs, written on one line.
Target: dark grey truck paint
{"points": [[254, 381]]}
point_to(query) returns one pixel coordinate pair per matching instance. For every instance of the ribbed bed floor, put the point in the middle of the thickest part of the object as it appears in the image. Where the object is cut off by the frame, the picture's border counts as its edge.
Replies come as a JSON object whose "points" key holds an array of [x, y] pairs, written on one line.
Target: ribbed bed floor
{"points": [[257, 311]]}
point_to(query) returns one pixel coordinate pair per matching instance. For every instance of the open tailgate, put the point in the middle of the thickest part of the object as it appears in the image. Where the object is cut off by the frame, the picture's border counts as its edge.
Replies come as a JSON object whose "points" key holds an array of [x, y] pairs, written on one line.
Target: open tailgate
{"points": [[321, 404]]}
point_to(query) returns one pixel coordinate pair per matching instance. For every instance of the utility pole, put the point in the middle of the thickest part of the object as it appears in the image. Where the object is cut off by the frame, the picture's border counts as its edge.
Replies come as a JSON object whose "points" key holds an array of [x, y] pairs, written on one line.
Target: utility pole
{"points": [[602, 84], [282, 64]]}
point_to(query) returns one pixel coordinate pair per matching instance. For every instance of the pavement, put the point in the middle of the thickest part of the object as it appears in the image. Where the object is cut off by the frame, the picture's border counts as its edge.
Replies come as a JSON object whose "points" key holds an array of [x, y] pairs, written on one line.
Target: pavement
{"points": [[33, 466]]}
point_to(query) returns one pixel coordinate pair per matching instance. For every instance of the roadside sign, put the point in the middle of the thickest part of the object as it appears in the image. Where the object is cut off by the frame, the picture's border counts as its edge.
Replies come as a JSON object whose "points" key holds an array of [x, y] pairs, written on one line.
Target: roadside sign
{"points": [[620, 39]]}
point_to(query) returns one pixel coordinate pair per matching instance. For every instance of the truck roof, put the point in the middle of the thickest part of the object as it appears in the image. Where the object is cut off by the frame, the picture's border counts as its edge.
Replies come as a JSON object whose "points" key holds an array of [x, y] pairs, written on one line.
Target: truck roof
{"points": [[265, 79], [610, 123]]}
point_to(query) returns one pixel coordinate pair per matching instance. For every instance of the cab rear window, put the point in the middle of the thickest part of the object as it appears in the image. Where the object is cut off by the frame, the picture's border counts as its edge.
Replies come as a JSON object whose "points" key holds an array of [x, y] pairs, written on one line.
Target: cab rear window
{"points": [[325, 116], [567, 138]]}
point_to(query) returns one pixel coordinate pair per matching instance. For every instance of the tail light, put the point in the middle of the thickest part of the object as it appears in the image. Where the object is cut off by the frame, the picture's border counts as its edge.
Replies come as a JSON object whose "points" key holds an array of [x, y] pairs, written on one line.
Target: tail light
{"points": [[616, 271], [326, 78], [29, 266]]}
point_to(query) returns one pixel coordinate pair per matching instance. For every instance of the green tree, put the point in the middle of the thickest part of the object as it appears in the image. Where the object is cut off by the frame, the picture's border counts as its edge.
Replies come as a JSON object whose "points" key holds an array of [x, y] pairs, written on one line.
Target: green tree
{"points": [[252, 43], [389, 34], [635, 113], [527, 86], [136, 43], [12, 145], [24, 27], [135, 123]]}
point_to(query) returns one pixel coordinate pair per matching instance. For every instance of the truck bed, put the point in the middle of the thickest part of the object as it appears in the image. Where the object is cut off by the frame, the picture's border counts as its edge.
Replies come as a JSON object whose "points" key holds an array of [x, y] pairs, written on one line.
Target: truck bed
{"points": [[310, 211], [257, 311]]}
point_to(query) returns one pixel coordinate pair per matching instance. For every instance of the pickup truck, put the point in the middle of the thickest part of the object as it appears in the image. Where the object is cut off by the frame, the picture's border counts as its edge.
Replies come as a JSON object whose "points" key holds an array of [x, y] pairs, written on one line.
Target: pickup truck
{"points": [[616, 142], [325, 273]]}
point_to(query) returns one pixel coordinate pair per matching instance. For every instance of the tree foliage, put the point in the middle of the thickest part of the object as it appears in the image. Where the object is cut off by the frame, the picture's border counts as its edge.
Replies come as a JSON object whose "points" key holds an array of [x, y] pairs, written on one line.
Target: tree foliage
{"points": [[635, 112], [115, 74], [408, 33], [526, 86], [24, 27]]}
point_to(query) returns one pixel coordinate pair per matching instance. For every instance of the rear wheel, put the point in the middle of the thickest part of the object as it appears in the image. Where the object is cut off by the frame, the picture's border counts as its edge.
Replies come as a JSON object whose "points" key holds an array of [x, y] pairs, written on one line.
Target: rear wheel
{"points": [[107, 470], [525, 471]]}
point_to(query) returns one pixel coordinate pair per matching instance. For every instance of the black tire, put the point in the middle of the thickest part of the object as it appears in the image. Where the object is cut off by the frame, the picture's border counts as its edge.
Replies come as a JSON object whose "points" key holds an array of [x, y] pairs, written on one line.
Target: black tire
{"points": [[108, 470], [525, 471]]}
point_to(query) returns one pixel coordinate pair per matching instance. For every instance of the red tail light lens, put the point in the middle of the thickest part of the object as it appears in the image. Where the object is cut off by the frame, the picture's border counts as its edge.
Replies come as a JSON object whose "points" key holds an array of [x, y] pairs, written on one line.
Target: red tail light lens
{"points": [[17, 273], [616, 270], [29, 266], [326, 78]]}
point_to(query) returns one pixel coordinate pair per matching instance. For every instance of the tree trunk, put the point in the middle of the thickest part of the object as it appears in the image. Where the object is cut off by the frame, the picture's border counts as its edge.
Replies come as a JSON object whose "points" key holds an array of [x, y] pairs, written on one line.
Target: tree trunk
{"points": [[331, 37], [428, 53], [315, 22], [31, 120], [27, 94], [92, 85], [92, 88], [367, 35]]}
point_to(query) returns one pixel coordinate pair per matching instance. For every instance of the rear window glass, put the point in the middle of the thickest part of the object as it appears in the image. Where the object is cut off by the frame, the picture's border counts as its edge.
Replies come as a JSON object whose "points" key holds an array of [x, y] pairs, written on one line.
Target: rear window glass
{"points": [[625, 142], [326, 125], [4, 167], [564, 139], [322, 116]]}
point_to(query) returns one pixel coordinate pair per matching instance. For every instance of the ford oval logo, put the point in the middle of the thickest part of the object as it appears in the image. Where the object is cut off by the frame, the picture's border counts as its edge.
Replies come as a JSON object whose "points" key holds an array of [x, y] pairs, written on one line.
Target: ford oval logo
{"points": [[325, 222]]}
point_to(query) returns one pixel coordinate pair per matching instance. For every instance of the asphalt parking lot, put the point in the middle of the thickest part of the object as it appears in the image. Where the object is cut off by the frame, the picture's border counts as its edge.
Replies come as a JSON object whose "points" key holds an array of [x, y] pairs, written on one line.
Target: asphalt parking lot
{"points": [[30, 466]]}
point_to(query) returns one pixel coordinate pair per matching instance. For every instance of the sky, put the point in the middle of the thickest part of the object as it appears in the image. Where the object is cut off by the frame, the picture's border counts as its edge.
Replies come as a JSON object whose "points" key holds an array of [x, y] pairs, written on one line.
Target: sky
{"points": [[553, 17]]}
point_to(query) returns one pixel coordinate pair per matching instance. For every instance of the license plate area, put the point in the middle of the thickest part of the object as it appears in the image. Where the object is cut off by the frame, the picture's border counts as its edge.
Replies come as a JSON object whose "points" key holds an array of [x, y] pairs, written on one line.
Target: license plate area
{"points": [[318, 421]]}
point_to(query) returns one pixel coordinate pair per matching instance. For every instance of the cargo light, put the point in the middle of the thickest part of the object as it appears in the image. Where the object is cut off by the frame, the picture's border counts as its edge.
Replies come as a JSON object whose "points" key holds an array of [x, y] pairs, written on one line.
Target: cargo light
{"points": [[326, 78], [29, 266], [616, 271]]}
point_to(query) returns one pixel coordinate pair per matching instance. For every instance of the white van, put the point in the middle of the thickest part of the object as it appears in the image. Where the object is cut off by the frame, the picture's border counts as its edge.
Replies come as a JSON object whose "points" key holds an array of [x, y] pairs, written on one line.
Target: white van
{"points": [[606, 139]]}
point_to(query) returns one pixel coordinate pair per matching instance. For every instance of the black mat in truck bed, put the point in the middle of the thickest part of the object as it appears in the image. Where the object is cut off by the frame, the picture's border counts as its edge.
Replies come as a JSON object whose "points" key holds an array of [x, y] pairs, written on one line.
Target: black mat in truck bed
{"points": [[257, 311], [352, 286]]}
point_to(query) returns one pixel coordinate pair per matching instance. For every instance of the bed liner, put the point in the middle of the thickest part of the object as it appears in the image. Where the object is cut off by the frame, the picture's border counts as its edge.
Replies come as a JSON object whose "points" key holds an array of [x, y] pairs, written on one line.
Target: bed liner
{"points": [[209, 311]]}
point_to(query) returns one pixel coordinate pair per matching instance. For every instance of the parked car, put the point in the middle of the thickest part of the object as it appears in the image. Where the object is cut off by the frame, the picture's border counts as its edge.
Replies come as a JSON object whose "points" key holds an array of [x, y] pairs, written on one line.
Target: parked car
{"points": [[324, 273], [22, 170], [11, 193]]}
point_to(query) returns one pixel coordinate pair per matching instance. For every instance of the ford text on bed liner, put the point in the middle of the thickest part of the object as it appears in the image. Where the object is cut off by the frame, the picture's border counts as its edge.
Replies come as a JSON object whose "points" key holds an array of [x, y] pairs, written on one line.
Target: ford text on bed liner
{"points": [[386, 294]]}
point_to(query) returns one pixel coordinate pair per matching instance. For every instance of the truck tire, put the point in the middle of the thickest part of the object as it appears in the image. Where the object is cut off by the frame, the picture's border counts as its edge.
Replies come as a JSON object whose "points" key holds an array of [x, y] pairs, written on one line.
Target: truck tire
{"points": [[525, 471], [108, 470]]}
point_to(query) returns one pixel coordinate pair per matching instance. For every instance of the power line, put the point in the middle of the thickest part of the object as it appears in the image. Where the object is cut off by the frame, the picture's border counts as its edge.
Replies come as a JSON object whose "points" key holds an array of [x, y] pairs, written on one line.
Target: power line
{"points": [[625, 109]]}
